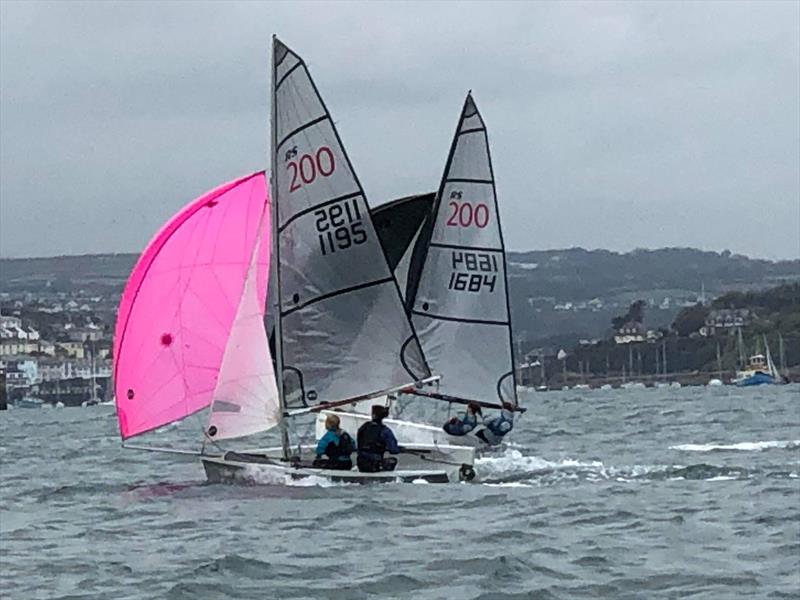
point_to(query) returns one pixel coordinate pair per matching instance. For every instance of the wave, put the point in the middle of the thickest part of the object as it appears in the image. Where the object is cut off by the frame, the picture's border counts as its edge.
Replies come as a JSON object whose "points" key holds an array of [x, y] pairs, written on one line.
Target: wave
{"points": [[740, 446]]}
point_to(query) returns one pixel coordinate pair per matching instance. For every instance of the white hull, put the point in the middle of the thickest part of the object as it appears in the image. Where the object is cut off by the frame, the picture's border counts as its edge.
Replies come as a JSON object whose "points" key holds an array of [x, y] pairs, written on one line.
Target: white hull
{"points": [[421, 463]]}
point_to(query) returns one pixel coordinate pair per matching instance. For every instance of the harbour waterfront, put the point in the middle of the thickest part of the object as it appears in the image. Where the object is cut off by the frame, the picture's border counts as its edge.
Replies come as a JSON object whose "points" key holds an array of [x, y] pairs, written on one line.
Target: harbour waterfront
{"points": [[656, 493]]}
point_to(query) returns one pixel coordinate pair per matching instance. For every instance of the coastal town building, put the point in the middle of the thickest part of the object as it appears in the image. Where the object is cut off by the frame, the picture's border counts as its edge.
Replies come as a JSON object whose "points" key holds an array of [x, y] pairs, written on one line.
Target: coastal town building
{"points": [[634, 332], [725, 320]]}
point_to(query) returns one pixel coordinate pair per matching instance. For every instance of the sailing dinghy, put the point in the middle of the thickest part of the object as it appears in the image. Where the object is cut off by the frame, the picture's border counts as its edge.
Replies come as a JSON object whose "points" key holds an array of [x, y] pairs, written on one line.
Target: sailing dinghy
{"points": [[456, 290], [191, 333]]}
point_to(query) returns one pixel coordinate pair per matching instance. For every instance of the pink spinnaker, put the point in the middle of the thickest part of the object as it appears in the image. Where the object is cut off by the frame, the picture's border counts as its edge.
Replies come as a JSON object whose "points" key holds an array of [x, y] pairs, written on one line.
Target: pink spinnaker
{"points": [[180, 302]]}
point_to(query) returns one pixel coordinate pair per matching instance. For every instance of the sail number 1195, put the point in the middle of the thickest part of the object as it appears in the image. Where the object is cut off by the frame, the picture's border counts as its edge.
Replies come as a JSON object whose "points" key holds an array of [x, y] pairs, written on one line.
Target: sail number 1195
{"points": [[339, 226]]}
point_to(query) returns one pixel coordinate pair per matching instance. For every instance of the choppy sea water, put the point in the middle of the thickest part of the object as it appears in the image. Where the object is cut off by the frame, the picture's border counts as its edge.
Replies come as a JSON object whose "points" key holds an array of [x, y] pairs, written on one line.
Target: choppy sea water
{"points": [[600, 494]]}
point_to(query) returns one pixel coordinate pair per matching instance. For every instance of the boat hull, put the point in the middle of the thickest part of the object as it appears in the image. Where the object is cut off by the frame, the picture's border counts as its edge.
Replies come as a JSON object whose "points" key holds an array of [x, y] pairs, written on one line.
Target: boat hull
{"points": [[419, 463], [757, 378]]}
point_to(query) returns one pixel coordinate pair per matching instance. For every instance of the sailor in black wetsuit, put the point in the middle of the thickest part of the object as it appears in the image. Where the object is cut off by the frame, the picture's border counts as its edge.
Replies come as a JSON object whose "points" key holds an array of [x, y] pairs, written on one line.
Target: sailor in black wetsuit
{"points": [[374, 439]]}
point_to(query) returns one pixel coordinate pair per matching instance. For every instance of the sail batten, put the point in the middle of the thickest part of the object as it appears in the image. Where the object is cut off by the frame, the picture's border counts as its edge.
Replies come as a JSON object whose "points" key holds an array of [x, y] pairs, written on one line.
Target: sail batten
{"points": [[344, 330], [459, 299]]}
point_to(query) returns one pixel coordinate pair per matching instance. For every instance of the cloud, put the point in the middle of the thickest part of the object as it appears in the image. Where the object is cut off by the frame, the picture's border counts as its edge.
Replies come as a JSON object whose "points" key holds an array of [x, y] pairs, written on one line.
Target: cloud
{"points": [[612, 125]]}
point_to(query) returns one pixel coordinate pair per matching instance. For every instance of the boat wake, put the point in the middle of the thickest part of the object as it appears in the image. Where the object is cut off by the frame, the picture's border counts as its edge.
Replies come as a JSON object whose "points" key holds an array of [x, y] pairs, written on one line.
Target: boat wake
{"points": [[257, 475], [740, 446], [514, 469]]}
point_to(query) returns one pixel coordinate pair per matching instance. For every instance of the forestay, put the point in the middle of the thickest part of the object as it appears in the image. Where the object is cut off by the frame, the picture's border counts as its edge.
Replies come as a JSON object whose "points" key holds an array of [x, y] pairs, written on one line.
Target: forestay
{"points": [[344, 331], [180, 302], [460, 300]]}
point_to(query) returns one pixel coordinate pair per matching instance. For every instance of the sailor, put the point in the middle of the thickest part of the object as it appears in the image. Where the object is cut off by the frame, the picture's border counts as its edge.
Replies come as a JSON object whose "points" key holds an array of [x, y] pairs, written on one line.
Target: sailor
{"points": [[465, 423], [497, 427], [336, 445], [374, 439]]}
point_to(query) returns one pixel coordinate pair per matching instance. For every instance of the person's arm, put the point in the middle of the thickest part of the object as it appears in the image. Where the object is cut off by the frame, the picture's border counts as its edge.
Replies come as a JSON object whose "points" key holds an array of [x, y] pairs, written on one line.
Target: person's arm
{"points": [[391, 442], [322, 445]]}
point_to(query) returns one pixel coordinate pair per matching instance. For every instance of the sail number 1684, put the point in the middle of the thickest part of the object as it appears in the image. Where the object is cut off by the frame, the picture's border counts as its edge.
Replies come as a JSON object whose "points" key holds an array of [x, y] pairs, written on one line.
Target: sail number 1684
{"points": [[479, 267]]}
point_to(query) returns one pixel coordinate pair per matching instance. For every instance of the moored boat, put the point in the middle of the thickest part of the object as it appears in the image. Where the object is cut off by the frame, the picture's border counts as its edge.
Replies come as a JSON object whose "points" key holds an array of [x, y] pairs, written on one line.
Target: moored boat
{"points": [[760, 370]]}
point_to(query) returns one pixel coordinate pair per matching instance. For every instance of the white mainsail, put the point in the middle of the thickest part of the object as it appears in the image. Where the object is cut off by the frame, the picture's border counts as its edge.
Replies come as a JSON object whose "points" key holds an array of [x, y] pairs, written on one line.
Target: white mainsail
{"points": [[460, 300], [343, 329]]}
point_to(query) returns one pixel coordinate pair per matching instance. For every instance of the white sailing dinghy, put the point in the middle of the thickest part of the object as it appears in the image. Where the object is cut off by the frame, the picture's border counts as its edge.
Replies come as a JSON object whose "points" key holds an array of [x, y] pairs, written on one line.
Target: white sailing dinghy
{"points": [[191, 333], [457, 290]]}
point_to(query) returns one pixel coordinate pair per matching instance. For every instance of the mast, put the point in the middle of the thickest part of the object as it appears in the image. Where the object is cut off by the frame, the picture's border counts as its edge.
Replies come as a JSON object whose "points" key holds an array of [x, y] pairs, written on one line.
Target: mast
{"points": [[740, 343], [630, 360], [719, 363], [276, 257], [770, 364], [544, 376], [658, 366], [94, 378]]}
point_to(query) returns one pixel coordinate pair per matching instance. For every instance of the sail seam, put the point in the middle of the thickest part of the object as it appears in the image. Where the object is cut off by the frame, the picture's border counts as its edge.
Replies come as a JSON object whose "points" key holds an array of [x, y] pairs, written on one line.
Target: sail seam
{"points": [[473, 130], [467, 180], [457, 247], [458, 319], [305, 211], [347, 290], [299, 129], [285, 75]]}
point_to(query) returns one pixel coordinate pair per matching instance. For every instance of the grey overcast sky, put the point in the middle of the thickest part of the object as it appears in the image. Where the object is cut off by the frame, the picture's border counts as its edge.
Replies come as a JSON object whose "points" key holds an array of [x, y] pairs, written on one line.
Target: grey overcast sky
{"points": [[613, 125]]}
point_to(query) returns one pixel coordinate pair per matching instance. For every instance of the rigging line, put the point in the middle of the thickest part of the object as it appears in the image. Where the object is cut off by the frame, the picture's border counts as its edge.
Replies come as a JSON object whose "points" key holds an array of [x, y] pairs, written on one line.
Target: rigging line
{"points": [[423, 456]]}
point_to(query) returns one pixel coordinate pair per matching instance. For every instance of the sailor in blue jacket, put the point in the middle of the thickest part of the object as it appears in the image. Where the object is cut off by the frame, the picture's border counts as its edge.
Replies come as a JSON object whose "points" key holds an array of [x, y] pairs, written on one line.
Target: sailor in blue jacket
{"points": [[467, 422], [336, 445], [497, 427]]}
